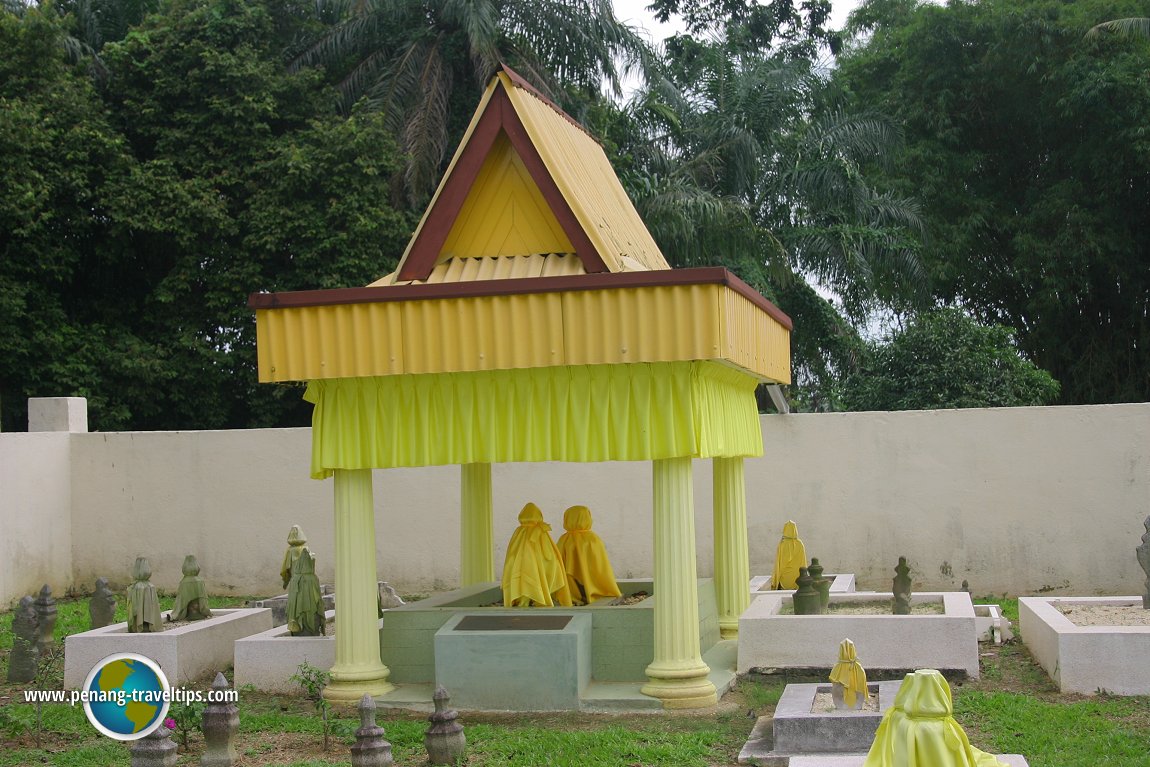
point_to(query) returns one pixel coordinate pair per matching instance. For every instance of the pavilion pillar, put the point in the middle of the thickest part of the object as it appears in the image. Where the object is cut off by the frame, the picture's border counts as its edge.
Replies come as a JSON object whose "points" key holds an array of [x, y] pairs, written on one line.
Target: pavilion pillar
{"points": [[678, 675], [358, 668], [732, 561], [477, 539]]}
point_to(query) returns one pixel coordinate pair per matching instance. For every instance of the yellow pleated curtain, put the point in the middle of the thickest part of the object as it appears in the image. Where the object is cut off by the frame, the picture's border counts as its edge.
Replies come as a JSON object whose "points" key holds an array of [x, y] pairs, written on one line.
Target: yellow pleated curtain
{"points": [[637, 412]]}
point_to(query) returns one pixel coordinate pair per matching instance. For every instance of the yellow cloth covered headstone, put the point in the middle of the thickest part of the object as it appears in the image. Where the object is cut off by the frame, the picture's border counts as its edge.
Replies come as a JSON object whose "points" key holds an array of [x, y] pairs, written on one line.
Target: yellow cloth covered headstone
{"points": [[296, 541], [533, 569], [919, 730], [850, 674], [589, 573], [790, 556]]}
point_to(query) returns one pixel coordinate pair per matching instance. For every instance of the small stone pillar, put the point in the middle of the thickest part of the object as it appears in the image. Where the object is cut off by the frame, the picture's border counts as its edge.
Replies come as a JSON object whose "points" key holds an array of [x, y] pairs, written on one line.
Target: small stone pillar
{"points": [[24, 658], [157, 749], [369, 749], [444, 740], [220, 723], [102, 605], [900, 604], [805, 598], [46, 614], [822, 585]]}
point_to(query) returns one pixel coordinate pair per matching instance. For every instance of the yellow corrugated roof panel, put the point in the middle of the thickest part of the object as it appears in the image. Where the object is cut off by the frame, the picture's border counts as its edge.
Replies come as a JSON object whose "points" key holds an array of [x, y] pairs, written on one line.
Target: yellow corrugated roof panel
{"points": [[584, 174], [495, 268], [590, 319], [527, 180]]}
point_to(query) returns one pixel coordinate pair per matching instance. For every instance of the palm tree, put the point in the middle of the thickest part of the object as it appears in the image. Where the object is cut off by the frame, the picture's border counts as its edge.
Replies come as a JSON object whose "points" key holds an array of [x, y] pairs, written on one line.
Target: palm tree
{"points": [[1132, 27], [414, 60]]}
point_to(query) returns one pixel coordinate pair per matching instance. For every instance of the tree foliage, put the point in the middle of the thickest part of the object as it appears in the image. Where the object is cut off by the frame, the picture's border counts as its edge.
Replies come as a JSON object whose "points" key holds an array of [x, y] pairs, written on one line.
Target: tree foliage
{"points": [[139, 218], [1027, 143], [945, 359]]}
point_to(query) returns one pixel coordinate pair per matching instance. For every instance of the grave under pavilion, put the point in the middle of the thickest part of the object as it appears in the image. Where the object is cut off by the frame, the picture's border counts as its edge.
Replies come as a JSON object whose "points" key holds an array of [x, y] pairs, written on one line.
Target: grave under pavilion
{"points": [[533, 318]]}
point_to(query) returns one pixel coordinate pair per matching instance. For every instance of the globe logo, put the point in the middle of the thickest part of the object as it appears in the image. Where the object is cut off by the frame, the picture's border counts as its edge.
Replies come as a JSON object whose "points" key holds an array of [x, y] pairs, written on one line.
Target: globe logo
{"points": [[126, 696]]}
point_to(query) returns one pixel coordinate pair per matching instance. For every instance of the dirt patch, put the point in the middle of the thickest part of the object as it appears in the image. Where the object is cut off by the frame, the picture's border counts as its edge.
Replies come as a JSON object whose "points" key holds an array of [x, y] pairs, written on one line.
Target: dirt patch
{"points": [[1104, 615], [825, 704], [870, 608]]}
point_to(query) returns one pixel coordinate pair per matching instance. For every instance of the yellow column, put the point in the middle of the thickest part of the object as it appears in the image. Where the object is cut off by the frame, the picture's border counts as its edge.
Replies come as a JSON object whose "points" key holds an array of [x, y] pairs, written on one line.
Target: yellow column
{"points": [[678, 675], [732, 563], [358, 668], [476, 538]]}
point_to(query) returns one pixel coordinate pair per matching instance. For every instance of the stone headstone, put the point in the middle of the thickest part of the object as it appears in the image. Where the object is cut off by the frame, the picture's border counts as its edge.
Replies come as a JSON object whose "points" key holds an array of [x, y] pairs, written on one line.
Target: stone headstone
{"points": [[46, 614], [900, 604], [806, 599], [1143, 553], [25, 655], [143, 604], [369, 749], [445, 741], [191, 603], [102, 605], [156, 749], [220, 723], [388, 598], [821, 584], [966, 586]]}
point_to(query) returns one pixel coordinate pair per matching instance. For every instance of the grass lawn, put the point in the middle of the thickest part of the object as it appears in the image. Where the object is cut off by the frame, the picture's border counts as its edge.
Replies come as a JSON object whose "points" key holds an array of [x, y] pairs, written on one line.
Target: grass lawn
{"points": [[1013, 708]]}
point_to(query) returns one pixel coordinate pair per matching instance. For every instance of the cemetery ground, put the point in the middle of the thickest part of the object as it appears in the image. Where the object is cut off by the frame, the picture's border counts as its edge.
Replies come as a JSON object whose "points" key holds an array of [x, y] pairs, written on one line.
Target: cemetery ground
{"points": [[1013, 708]]}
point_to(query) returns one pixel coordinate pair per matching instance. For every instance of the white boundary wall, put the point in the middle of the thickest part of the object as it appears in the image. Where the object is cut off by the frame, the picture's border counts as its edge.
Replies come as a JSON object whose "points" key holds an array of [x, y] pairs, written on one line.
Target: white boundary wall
{"points": [[1017, 501]]}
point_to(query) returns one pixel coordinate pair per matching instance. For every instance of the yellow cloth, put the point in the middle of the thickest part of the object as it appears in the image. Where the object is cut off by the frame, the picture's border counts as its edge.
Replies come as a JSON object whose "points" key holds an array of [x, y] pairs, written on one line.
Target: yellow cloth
{"points": [[585, 413], [919, 730], [533, 569], [790, 556], [589, 573], [850, 674]]}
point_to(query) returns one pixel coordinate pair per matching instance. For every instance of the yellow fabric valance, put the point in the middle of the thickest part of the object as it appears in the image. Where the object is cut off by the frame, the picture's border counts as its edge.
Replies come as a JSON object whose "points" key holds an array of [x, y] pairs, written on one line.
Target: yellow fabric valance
{"points": [[635, 412]]}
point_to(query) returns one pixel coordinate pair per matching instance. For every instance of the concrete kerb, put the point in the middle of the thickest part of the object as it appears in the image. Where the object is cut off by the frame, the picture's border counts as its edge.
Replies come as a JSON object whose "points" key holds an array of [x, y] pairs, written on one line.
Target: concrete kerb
{"points": [[948, 642], [267, 660], [1086, 659], [186, 654]]}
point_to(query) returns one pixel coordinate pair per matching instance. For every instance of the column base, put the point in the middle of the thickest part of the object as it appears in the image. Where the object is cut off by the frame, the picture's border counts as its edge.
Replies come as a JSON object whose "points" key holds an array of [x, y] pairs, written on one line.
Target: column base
{"points": [[681, 687], [729, 629], [349, 686]]}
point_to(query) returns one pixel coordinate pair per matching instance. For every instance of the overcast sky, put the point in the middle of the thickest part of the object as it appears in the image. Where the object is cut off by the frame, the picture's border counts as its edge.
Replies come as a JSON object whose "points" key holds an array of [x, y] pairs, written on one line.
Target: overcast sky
{"points": [[635, 13]]}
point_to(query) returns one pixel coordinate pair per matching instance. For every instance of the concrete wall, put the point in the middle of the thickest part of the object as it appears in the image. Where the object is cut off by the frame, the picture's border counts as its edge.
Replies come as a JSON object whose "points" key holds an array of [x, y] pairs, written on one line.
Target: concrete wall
{"points": [[1013, 500], [35, 514]]}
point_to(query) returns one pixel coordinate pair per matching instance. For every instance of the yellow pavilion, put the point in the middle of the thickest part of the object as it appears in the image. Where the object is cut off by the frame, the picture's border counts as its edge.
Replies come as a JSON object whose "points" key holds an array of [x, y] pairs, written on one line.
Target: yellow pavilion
{"points": [[533, 318]]}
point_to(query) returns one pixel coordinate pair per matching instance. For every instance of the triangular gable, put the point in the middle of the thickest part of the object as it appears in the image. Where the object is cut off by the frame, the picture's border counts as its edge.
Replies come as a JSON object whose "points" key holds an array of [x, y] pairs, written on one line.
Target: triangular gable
{"points": [[505, 213], [538, 164]]}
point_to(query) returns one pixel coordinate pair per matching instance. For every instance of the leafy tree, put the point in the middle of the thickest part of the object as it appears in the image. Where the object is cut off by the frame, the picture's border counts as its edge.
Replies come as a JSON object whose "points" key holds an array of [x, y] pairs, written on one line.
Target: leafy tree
{"points": [[796, 29], [67, 302], [133, 229], [1026, 142], [415, 60], [945, 359]]}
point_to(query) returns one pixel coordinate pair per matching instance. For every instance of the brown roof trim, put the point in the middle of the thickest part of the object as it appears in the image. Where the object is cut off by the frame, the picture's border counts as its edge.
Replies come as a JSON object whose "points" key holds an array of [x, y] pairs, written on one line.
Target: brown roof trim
{"points": [[499, 116], [698, 276]]}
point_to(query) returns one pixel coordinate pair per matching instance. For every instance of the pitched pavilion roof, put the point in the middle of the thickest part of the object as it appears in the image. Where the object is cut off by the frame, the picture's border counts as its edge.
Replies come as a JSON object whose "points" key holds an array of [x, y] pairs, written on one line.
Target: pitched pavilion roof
{"points": [[530, 255], [528, 193]]}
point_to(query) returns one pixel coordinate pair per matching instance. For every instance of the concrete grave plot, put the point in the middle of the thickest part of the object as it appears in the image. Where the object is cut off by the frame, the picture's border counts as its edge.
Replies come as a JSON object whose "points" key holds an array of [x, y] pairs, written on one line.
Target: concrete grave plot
{"points": [[1088, 659], [796, 729], [841, 583], [608, 645], [946, 640], [268, 660], [185, 653]]}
